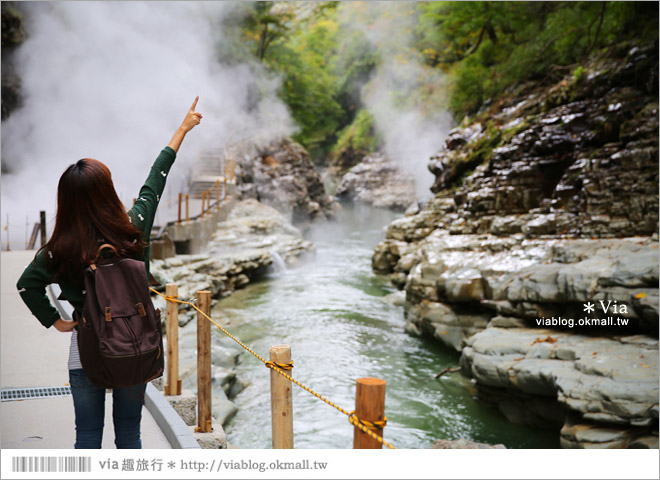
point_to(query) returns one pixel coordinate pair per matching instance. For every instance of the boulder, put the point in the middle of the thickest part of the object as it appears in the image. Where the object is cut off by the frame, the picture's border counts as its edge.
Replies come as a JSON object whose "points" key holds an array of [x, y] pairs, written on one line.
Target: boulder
{"points": [[599, 381], [377, 181], [282, 176]]}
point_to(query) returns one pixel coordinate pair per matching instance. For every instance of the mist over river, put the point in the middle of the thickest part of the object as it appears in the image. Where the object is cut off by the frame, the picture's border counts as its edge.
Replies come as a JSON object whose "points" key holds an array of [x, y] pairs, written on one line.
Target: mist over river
{"points": [[341, 325]]}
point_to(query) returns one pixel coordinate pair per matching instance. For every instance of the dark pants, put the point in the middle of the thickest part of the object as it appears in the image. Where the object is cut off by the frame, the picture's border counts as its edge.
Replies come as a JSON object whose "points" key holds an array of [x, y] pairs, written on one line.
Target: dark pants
{"points": [[89, 405]]}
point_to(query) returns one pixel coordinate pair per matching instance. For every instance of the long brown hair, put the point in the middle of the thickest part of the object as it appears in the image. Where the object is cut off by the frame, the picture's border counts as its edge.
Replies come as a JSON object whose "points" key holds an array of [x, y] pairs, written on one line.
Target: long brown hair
{"points": [[88, 211]]}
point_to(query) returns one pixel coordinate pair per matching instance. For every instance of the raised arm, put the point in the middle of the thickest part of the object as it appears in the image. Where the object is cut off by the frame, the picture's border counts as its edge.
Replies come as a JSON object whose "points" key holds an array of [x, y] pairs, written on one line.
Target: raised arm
{"points": [[192, 118], [144, 209]]}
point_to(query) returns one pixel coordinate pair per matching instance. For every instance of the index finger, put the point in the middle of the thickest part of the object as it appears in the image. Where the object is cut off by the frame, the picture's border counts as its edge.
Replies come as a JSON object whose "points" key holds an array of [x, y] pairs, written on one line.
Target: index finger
{"points": [[192, 109]]}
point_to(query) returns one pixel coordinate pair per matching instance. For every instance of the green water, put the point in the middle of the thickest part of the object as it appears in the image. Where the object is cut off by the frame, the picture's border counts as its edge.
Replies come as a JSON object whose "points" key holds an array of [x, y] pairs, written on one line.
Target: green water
{"points": [[333, 313]]}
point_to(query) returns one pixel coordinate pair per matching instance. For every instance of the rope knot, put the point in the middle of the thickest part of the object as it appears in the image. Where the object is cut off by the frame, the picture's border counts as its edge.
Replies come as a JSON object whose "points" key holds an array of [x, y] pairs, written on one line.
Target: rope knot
{"points": [[283, 366], [376, 425]]}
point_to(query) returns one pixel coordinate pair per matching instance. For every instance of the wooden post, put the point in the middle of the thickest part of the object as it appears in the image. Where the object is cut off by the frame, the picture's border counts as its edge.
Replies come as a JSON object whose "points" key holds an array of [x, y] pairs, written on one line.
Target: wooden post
{"points": [[369, 406], [217, 192], [187, 216], [180, 201], [281, 403], [173, 385], [203, 197], [33, 237], [233, 162], [204, 423], [42, 218]]}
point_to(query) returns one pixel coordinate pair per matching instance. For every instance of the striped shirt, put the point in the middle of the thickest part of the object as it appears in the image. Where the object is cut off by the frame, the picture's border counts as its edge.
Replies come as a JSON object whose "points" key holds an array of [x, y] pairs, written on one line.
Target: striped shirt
{"points": [[74, 355]]}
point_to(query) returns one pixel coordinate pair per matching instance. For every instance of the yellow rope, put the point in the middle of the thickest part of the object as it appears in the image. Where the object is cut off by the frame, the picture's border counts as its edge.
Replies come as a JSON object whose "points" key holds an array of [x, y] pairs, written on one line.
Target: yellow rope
{"points": [[279, 368], [283, 366], [378, 424]]}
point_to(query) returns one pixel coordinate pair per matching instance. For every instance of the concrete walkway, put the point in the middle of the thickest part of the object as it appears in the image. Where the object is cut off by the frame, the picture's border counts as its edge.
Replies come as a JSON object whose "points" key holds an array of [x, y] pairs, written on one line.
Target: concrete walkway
{"points": [[33, 356]]}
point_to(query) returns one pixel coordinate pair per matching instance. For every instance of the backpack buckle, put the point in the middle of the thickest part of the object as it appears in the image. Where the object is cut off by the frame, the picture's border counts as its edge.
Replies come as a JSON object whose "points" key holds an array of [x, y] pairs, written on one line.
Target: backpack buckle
{"points": [[141, 310], [108, 316]]}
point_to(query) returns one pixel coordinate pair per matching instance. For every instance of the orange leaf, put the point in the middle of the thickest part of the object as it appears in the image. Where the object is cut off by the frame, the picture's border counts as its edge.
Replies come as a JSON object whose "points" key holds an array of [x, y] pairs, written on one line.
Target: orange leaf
{"points": [[640, 295]]}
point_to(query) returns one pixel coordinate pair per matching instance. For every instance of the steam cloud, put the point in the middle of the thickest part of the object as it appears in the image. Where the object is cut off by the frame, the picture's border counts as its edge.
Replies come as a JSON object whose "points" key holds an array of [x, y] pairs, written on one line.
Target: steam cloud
{"points": [[112, 81], [413, 128]]}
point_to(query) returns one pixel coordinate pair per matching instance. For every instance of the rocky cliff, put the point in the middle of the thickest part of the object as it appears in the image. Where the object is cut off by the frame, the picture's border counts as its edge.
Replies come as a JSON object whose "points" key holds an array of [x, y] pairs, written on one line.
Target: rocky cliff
{"points": [[282, 176], [537, 258]]}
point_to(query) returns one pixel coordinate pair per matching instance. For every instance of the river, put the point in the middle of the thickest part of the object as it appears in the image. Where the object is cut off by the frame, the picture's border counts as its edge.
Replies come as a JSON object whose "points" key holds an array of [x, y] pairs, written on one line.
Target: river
{"points": [[339, 319]]}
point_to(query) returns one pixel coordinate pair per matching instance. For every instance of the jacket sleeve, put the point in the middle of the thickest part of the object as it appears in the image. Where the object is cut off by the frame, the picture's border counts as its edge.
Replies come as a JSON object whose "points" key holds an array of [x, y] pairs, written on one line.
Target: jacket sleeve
{"points": [[144, 210], [32, 288]]}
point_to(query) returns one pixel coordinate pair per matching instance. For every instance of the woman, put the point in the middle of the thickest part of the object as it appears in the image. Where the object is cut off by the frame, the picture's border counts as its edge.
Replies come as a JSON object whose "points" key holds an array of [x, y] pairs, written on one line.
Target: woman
{"points": [[90, 213]]}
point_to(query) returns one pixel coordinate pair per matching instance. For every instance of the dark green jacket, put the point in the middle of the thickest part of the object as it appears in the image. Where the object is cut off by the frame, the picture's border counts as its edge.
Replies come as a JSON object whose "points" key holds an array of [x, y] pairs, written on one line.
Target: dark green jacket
{"points": [[37, 276]]}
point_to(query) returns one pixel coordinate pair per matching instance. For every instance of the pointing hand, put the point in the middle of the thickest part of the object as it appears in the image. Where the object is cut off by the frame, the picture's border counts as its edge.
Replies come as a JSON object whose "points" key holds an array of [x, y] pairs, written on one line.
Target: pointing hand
{"points": [[192, 119]]}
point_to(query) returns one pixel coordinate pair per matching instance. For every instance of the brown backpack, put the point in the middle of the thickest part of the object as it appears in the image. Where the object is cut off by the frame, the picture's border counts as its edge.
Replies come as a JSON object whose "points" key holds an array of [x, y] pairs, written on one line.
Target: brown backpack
{"points": [[120, 337]]}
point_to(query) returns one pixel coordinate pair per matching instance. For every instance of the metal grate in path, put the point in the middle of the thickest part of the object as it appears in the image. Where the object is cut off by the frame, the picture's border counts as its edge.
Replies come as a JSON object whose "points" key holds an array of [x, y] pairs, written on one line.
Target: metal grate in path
{"points": [[9, 394]]}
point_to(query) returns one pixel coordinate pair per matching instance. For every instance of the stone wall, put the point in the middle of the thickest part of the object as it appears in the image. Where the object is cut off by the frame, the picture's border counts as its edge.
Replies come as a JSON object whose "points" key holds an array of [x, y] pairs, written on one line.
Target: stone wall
{"points": [[547, 202]]}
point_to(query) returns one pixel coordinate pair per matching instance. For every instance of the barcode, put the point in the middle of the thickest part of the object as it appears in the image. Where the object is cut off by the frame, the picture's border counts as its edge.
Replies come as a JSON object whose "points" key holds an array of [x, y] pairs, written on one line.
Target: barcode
{"points": [[51, 464]]}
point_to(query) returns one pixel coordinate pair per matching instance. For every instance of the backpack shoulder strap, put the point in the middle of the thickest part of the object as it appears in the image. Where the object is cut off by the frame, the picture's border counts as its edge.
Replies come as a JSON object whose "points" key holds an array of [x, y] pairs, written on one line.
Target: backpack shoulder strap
{"points": [[103, 247]]}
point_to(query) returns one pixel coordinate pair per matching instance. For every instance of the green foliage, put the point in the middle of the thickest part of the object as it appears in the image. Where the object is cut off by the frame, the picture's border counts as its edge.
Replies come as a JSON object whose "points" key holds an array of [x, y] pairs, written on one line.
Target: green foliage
{"points": [[296, 41], [353, 61], [266, 25], [359, 136], [327, 54], [488, 46], [309, 88]]}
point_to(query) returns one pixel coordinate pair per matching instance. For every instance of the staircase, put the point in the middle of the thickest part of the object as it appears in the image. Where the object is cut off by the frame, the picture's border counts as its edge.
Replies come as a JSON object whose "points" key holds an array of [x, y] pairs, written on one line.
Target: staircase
{"points": [[209, 169]]}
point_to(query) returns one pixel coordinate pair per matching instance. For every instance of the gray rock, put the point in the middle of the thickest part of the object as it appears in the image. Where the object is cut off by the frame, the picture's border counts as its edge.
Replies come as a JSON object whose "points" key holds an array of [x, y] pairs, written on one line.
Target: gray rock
{"points": [[506, 322], [589, 376], [377, 181], [594, 436], [463, 443], [443, 323], [223, 408], [645, 442], [281, 175]]}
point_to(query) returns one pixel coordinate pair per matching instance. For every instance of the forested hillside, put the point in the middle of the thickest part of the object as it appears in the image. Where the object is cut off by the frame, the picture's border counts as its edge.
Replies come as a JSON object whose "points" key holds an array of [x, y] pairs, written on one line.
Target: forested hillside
{"points": [[465, 54]]}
